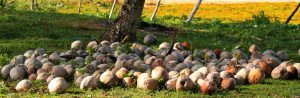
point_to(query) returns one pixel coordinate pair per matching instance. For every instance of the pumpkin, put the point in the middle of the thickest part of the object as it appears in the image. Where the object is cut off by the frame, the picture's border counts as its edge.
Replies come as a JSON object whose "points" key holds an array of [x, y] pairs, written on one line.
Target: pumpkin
{"points": [[253, 48], [121, 72], [184, 83], [265, 67], [171, 84], [214, 76], [231, 69], [57, 85], [150, 39], [145, 81], [160, 74], [6, 69], [282, 55], [17, 73], [108, 78], [59, 71], [280, 72], [129, 81], [208, 87], [256, 76], [76, 45], [23, 86], [292, 71], [228, 84], [186, 45], [195, 76]]}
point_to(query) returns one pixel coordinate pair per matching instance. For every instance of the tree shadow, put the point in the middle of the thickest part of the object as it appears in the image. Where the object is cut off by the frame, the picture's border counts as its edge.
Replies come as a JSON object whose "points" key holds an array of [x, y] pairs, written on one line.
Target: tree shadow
{"points": [[21, 24]]}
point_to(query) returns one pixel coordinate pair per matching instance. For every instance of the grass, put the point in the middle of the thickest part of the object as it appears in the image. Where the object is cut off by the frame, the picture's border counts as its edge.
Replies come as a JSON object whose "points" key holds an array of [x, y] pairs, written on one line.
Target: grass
{"points": [[226, 12], [55, 28], [270, 88], [231, 12]]}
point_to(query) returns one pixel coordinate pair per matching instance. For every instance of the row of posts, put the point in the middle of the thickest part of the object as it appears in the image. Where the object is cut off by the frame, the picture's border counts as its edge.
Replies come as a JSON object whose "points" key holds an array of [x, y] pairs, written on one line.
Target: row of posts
{"points": [[34, 5]]}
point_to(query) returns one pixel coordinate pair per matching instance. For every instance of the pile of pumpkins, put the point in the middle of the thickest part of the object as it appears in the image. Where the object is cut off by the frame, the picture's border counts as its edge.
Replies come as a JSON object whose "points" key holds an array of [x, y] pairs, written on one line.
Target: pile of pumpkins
{"points": [[136, 65]]}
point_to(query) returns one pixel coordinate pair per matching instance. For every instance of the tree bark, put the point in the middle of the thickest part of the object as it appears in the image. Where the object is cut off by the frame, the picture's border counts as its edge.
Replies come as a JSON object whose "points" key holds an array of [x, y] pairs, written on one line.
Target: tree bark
{"points": [[155, 10], [126, 23], [34, 4], [79, 8], [194, 11]]}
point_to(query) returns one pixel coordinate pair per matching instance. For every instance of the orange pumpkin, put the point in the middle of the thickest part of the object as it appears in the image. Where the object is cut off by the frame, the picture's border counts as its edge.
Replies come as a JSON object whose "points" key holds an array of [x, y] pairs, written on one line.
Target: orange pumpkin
{"points": [[265, 67], [218, 52], [228, 84], [129, 81], [208, 87], [186, 45], [137, 74], [293, 72], [157, 62], [256, 76], [231, 70]]}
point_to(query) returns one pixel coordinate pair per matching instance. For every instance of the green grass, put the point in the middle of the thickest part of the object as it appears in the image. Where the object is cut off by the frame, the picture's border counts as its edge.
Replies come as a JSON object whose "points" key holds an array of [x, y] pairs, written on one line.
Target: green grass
{"points": [[21, 30], [269, 88]]}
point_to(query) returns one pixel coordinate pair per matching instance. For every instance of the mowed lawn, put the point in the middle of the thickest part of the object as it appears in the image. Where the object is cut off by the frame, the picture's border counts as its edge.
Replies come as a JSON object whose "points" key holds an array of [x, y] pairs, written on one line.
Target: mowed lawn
{"points": [[55, 28]]}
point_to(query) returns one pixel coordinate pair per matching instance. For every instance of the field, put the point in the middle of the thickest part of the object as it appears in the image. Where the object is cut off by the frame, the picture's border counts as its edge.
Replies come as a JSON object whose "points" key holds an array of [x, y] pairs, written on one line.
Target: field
{"points": [[223, 26]]}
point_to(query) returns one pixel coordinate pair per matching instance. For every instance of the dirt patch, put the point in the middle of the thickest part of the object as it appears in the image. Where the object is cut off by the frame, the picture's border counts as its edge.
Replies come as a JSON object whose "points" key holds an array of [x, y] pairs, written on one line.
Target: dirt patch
{"points": [[91, 25], [148, 27]]}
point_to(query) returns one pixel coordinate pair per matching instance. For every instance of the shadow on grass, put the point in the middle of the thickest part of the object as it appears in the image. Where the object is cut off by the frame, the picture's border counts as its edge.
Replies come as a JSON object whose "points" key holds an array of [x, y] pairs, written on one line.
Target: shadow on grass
{"points": [[24, 30], [58, 30], [22, 24]]}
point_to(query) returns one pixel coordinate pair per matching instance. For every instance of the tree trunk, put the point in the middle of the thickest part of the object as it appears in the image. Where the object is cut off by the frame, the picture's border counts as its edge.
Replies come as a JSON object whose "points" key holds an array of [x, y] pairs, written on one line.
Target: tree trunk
{"points": [[34, 4], [79, 8], [155, 10], [112, 9], [126, 23], [194, 11]]}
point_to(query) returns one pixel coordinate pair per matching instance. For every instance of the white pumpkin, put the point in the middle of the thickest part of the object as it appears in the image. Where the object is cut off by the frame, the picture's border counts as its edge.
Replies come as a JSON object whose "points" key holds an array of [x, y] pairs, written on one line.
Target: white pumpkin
{"points": [[23, 86], [76, 45], [57, 85], [159, 73]]}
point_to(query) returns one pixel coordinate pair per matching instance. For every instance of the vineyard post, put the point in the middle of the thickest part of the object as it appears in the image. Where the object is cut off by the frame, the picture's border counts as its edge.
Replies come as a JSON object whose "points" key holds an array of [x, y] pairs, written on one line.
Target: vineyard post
{"points": [[194, 11], [155, 10]]}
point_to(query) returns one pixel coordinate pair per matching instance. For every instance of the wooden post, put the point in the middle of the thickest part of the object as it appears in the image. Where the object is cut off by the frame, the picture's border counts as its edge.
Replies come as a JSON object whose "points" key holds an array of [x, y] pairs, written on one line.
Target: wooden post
{"points": [[112, 9], [32, 4], [79, 8], [291, 16], [194, 11], [36, 4], [155, 10]]}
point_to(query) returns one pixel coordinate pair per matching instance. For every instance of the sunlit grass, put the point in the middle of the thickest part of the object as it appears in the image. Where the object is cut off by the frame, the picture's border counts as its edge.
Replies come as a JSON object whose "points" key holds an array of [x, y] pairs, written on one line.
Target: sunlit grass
{"points": [[224, 12], [230, 12]]}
